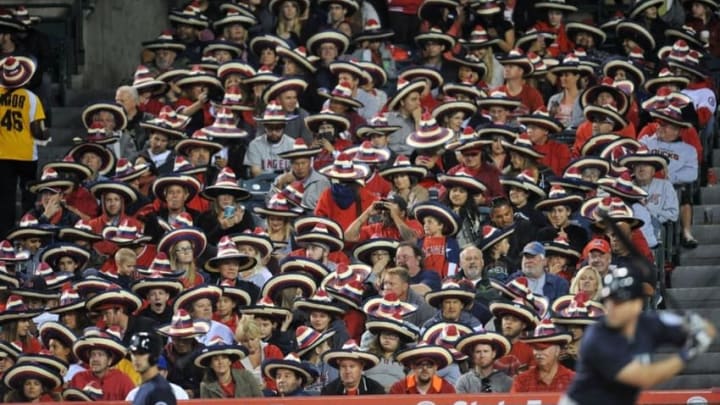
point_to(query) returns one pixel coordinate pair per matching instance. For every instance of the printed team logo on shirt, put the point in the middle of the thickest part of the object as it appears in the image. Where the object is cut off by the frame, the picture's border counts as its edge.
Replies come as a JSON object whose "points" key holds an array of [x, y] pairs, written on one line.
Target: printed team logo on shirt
{"points": [[668, 154], [275, 164]]}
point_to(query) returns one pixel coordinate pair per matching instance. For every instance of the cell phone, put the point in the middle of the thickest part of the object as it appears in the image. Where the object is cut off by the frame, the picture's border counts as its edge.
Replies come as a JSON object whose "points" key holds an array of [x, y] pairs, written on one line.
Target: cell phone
{"points": [[229, 211]]}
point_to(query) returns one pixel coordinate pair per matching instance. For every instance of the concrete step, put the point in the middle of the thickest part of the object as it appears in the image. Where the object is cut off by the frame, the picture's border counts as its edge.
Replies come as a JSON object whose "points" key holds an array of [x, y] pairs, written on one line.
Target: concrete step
{"points": [[690, 381], [702, 297], [716, 158], [67, 117], [79, 97], [695, 276], [64, 136], [707, 235], [51, 153], [706, 214]]}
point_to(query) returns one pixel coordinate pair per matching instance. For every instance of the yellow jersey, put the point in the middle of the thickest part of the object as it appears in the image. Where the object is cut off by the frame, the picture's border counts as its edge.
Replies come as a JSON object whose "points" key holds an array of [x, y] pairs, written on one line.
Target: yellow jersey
{"points": [[17, 111]]}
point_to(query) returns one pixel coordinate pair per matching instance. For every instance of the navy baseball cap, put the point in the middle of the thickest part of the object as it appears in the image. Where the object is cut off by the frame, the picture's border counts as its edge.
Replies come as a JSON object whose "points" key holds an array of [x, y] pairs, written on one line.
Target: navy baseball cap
{"points": [[622, 284], [534, 249]]}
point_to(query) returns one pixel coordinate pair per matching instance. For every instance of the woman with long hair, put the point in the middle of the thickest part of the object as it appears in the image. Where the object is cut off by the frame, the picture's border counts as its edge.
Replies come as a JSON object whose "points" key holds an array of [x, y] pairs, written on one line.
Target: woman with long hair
{"points": [[495, 245], [480, 46], [15, 321], [587, 279], [31, 382], [290, 14], [405, 178], [255, 244], [183, 247], [564, 106], [279, 215], [58, 339], [71, 311], [221, 379], [461, 190], [390, 336], [248, 335]]}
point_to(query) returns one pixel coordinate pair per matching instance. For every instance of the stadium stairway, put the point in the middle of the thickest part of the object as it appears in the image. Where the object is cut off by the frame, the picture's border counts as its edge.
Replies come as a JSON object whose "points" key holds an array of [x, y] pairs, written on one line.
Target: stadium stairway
{"points": [[696, 285]]}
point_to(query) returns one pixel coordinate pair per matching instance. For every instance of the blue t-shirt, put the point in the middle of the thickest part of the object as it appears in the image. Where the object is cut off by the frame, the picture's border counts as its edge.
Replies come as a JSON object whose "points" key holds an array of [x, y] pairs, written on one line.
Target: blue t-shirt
{"points": [[427, 277], [604, 352], [155, 391]]}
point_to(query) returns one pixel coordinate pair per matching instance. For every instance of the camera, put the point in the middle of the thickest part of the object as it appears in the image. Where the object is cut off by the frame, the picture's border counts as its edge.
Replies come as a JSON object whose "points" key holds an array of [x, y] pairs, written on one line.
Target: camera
{"points": [[328, 135]]}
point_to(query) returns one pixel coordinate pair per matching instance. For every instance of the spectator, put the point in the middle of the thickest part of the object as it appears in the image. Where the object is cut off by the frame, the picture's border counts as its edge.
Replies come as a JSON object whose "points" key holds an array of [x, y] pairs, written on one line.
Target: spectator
{"points": [[352, 362], [548, 374], [291, 376], [217, 358], [101, 352], [484, 348], [539, 280], [425, 360]]}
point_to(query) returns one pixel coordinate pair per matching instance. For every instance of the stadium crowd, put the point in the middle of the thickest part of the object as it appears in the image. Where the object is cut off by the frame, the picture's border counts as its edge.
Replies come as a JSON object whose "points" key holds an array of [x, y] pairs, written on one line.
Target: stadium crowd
{"points": [[350, 197]]}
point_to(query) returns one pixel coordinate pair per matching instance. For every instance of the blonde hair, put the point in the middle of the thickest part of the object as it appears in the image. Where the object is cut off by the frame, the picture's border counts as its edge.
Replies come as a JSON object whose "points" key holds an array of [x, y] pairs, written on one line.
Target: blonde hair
{"points": [[293, 26], [123, 255], [575, 283], [191, 273], [489, 60], [247, 328]]}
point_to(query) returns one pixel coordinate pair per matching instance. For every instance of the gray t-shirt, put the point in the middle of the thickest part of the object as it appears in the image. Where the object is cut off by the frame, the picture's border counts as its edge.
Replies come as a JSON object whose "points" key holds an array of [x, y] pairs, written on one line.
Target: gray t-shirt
{"points": [[265, 155], [471, 382]]}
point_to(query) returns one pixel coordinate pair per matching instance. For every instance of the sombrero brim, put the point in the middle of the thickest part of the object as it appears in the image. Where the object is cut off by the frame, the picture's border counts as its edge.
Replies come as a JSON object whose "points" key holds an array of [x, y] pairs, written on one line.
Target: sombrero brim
{"points": [[435, 298], [267, 212], [213, 192], [277, 313], [636, 32], [522, 312], [199, 328], [11, 315], [439, 355], [358, 172], [311, 305], [696, 71], [444, 215], [508, 103], [589, 162], [280, 282], [16, 376], [466, 107], [84, 346], [185, 181], [31, 293], [573, 28], [524, 185], [274, 90], [314, 121], [126, 191], [411, 170], [652, 85], [333, 357], [301, 60], [485, 244], [29, 232], [113, 298], [338, 38], [57, 331], [302, 265], [310, 238], [348, 101], [556, 6], [671, 120], [420, 73], [618, 121], [557, 249], [79, 169], [549, 124], [272, 365], [374, 35], [178, 17], [444, 39], [196, 236], [346, 67], [501, 344], [172, 286], [187, 297], [107, 157], [521, 61], [364, 250], [388, 325], [158, 44], [419, 140], [55, 184], [657, 161], [235, 353], [172, 134], [300, 153], [554, 339], [569, 200], [635, 73], [471, 184], [590, 95], [524, 150], [635, 193], [262, 244], [53, 253], [642, 6], [413, 86], [182, 147], [115, 109], [245, 262], [324, 337]]}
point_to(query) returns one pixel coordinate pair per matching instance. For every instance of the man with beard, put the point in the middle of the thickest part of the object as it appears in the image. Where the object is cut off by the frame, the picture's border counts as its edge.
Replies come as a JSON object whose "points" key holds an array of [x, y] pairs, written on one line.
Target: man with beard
{"points": [[351, 362], [471, 269], [394, 223], [183, 349], [516, 318], [101, 352], [291, 375], [484, 348], [548, 375], [301, 170], [263, 154], [541, 282], [598, 255], [145, 351], [424, 361]]}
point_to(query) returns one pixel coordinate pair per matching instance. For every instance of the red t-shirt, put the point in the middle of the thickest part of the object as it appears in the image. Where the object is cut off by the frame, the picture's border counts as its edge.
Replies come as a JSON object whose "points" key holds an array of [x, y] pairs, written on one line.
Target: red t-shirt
{"points": [[228, 389], [378, 185], [519, 358], [115, 384], [530, 381], [433, 248], [529, 96], [83, 201], [584, 133], [379, 230], [557, 156]]}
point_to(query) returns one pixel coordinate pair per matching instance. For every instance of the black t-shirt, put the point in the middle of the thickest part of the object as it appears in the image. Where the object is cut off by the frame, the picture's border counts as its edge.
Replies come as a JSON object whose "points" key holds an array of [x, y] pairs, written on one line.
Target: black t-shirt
{"points": [[604, 352], [156, 391]]}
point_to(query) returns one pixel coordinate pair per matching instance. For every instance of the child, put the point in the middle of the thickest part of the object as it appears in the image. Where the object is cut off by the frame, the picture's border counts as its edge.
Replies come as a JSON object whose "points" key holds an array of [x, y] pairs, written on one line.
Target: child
{"points": [[440, 248], [126, 262]]}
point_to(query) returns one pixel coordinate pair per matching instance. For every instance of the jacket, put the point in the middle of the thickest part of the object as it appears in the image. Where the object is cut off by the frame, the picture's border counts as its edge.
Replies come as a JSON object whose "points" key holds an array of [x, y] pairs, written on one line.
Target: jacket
{"points": [[367, 386], [246, 385]]}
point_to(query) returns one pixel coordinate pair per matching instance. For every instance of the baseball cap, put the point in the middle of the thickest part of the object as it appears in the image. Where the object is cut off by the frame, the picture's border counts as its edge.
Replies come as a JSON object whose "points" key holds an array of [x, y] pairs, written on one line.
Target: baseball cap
{"points": [[534, 248], [596, 244]]}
